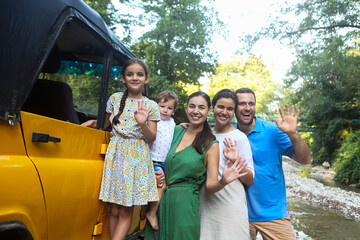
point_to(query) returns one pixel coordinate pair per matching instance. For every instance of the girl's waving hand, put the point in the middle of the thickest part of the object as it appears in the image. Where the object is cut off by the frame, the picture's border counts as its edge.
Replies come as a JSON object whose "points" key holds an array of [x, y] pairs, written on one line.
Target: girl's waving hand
{"points": [[141, 115]]}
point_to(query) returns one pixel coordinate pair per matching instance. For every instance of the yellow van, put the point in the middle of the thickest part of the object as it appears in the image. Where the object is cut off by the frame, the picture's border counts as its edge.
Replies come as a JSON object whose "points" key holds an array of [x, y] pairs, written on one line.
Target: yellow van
{"points": [[59, 63]]}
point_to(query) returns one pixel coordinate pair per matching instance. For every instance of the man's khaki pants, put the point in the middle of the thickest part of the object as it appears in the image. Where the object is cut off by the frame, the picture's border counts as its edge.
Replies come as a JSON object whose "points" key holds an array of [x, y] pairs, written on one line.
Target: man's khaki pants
{"points": [[279, 229]]}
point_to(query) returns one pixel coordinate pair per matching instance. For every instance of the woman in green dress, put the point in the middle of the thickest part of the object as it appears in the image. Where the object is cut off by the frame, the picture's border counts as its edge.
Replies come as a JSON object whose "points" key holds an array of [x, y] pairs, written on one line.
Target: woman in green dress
{"points": [[192, 158]]}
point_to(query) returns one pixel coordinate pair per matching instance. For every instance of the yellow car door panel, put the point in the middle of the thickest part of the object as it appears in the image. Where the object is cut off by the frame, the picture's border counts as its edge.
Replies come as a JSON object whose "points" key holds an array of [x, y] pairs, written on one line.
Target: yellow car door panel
{"points": [[70, 172]]}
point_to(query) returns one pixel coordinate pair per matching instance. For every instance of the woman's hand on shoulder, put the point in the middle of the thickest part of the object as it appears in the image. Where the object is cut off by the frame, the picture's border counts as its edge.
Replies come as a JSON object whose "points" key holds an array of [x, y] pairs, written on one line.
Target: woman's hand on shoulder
{"points": [[184, 125]]}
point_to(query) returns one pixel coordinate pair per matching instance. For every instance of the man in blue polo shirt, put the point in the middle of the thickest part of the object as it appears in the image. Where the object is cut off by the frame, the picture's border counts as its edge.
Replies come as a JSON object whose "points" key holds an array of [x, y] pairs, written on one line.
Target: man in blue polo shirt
{"points": [[266, 197]]}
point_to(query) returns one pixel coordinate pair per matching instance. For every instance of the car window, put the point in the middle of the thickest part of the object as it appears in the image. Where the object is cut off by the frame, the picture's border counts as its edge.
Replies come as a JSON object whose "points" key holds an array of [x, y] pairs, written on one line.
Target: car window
{"points": [[84, 79], [76, 64], [115, 83]]}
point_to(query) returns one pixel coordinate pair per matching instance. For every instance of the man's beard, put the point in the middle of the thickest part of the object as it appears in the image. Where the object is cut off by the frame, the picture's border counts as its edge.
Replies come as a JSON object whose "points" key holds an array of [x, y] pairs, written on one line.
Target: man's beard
{"points": [[246, 123]]}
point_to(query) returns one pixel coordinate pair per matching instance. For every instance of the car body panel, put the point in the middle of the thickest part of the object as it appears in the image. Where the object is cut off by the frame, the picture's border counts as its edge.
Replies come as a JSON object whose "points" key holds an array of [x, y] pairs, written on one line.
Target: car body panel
{"points": [[22, 196]]}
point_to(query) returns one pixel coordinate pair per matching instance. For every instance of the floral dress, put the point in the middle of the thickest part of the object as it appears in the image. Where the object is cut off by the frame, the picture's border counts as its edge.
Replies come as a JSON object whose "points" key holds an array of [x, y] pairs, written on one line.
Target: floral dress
{"points": [[128, 176]]}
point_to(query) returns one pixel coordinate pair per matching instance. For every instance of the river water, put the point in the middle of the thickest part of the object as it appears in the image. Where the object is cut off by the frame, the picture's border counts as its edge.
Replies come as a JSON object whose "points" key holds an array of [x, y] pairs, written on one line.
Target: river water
{"points": [[312, 221], [318, 208]]}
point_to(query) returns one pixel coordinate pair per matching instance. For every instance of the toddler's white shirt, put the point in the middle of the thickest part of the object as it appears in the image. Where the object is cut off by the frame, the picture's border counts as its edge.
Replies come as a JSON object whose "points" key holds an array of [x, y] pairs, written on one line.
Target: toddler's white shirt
{"points": [[164, 135]]}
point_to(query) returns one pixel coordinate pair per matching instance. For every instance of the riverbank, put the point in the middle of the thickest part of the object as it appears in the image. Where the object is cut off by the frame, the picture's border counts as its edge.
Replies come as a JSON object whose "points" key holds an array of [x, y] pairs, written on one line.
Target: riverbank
{"points": [[318, 210], [345, 202]]}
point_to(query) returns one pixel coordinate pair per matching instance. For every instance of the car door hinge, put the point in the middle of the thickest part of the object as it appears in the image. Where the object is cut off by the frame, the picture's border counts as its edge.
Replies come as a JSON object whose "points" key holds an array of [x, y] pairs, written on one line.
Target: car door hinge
{"points": [[103, 148], [10, 118]]}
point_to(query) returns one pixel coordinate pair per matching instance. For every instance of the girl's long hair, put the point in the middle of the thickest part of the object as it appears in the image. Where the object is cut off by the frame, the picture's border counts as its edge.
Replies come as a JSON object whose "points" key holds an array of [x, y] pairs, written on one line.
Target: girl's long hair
{"points": [[205, 137], [124, 96]]}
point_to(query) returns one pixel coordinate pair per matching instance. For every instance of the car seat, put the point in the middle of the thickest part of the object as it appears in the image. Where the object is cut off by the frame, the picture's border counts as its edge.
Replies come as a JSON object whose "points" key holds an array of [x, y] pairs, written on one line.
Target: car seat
{"points": [[52, 99]]}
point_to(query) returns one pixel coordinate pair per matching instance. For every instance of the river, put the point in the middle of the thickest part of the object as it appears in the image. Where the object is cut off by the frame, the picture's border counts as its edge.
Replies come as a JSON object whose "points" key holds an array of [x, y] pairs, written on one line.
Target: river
{"points": [[319, 209]]}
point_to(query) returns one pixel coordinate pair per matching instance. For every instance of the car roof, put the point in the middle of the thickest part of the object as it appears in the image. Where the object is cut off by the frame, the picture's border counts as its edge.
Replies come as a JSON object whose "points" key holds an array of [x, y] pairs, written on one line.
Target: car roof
{"points": [[31, 29]]}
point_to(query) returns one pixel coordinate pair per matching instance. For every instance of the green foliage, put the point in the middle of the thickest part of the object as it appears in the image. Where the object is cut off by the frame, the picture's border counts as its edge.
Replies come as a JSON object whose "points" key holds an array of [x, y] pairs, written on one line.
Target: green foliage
{"points": [[248, 72], [176, 48], [308, 21], [112, 16], [328, 80], [326, 17], [106, 10], [324, 81], [347, 164]]}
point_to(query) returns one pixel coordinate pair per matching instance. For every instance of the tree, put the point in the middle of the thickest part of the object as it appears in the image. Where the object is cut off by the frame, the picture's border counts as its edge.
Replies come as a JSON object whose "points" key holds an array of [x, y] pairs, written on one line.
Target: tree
{"points": [[113, 17], [176, 48], [329, 95], [326, 17], [348, 160], [310, 21], [106, 10], [325, 78], [248, 72]]}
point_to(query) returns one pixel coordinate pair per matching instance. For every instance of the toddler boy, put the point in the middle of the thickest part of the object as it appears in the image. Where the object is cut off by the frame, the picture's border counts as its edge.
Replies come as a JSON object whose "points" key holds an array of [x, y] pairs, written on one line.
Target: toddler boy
{"points": [[167, 102]]}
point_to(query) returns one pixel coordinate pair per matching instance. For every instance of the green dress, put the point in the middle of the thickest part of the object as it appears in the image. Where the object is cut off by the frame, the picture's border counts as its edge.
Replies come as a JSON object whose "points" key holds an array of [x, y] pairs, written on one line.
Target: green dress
{"points": [[178, 214]]}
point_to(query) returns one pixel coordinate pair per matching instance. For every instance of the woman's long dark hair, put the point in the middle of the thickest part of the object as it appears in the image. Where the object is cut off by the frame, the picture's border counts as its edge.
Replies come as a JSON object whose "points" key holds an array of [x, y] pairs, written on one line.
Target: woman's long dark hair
{"points": [[124, 96], [205, 137]]}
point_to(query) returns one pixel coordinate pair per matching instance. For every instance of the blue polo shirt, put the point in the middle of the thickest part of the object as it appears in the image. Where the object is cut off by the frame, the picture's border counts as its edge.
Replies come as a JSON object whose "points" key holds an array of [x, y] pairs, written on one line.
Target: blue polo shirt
{"points": [[266, 197]]}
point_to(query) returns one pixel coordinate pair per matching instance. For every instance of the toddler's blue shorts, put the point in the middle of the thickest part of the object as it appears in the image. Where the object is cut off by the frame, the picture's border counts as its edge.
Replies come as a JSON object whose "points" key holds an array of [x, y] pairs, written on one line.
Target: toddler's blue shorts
{"points": [[159, 166]]}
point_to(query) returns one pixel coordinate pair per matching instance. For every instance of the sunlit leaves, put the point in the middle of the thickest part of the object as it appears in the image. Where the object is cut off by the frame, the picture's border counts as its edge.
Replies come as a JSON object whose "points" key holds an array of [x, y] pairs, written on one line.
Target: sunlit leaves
{"points": [[248, 72]]}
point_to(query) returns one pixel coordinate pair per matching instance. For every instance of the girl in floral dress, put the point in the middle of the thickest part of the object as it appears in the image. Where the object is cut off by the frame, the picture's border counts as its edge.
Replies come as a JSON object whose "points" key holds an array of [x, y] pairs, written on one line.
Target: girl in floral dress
{"points": [[128, 176]]}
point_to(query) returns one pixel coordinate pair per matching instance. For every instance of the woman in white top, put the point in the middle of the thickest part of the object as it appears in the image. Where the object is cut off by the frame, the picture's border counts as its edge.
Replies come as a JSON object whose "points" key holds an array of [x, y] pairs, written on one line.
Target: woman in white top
{"points": [[224, 214]]}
